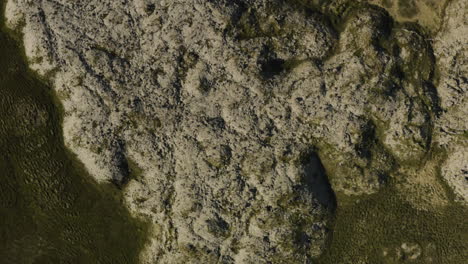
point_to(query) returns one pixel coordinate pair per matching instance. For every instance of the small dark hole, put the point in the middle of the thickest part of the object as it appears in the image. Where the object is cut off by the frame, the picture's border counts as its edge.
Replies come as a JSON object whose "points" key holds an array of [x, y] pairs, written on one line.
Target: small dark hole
{"points": [[253, 190], [150, 9], [217, 122], [272, 67], [205, 85]]}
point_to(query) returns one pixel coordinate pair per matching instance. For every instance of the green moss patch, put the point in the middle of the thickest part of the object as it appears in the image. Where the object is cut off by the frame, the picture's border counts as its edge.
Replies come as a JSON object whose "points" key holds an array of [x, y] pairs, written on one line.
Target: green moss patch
{"points": [[372, 229]]}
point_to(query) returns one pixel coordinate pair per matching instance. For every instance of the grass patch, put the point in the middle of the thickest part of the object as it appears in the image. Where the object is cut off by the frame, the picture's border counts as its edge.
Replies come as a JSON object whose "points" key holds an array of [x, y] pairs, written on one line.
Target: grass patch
{"points": [[366, 227]]}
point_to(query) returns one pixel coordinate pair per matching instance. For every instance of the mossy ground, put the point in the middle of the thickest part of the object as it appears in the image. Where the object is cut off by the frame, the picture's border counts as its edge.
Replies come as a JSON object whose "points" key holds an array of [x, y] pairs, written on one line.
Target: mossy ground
{"points": [[367, 227], [51, 210]]}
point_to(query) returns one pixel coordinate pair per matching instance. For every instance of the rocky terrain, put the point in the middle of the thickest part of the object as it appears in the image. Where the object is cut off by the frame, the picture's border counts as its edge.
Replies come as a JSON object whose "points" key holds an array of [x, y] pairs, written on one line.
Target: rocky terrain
{"points": [[232, 126]]}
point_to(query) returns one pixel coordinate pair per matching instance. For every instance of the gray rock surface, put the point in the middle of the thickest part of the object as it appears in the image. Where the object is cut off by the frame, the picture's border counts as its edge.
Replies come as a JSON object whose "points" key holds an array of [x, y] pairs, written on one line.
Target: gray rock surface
{"points": [[229, 108], [451, 50]]}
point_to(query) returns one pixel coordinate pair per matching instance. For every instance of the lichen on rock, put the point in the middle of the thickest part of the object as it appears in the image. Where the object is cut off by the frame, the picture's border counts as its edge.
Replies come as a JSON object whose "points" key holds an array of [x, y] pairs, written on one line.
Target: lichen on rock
{"points": [[229, 109]]}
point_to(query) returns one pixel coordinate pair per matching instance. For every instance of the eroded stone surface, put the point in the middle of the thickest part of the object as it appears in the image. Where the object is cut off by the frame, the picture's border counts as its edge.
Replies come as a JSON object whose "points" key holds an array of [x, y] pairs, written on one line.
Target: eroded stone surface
{"points": [[224, 105], [452, 126]]}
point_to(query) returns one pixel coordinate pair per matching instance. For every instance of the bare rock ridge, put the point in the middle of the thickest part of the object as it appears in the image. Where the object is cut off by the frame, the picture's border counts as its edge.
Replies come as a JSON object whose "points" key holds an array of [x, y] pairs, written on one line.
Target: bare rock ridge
{"points": [[228, 123]]}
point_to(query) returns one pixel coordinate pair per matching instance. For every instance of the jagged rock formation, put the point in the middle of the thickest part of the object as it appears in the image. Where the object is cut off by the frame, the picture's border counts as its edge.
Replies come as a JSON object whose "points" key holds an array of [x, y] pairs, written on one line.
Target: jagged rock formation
{"points": [[227, 109], [450, 48]]}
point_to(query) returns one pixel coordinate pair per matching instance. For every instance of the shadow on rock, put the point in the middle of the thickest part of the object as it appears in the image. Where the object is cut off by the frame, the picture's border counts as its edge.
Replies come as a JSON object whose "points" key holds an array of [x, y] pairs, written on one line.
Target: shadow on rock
{"points": [[316, 180]]}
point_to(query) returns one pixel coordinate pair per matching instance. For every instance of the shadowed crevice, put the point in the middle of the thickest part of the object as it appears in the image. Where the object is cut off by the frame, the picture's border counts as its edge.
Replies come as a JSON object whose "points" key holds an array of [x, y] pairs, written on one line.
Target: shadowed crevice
{"points": [[316, 180]]}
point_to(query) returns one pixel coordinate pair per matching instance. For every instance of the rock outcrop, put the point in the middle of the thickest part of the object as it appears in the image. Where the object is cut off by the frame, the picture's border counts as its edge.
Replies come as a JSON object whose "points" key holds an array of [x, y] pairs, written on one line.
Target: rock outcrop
{"points": [[450, 48], [228, 123]]}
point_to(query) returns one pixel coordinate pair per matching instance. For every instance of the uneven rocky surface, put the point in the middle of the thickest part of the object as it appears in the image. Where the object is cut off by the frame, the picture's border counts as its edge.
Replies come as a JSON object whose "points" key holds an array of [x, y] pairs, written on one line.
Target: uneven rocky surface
{"points": [[232, 124], [451, 50]]}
